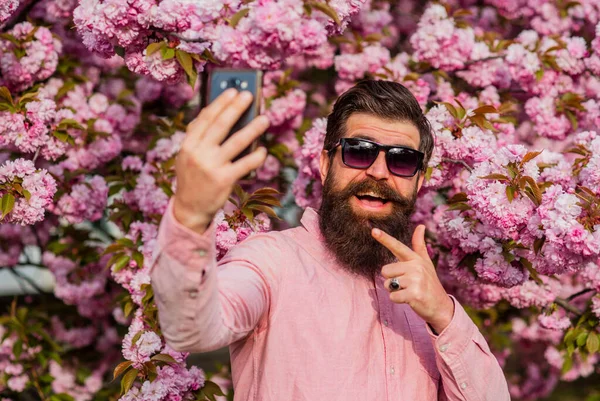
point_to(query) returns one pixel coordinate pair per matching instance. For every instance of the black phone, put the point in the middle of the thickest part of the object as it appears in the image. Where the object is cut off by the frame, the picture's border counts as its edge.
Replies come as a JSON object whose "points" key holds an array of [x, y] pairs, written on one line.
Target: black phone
{"points": [[217, 80]]}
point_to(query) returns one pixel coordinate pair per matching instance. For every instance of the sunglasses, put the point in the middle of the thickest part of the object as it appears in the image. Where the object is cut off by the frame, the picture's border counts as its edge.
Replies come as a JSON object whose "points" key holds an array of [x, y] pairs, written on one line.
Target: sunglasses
{"points": [[362, 153]]}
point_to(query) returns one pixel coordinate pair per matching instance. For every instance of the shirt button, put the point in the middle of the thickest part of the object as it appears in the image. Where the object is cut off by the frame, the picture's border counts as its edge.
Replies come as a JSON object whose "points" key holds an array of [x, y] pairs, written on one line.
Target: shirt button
{"points": [[201, 252], [463, 385], [386, 322], [193, 294], [443, 347], [392, 370]]}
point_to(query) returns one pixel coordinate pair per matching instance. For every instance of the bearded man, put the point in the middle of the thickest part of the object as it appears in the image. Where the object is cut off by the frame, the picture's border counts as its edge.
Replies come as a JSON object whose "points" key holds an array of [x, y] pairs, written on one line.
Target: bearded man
{"points": [[346, 306]]}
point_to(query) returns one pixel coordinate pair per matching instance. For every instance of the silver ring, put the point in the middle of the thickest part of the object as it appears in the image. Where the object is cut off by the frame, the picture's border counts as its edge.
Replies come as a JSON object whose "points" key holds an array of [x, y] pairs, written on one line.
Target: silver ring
{"points": [[394, 284]]}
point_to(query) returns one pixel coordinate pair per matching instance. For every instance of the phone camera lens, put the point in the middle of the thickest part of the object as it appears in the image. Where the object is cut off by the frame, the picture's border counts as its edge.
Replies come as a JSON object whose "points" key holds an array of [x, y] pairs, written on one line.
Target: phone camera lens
{"points": [[234, 83]]}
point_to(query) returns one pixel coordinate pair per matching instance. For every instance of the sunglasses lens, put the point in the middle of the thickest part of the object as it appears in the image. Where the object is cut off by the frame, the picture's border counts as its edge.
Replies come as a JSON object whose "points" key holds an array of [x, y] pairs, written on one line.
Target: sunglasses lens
{"points": [[359, 154], [403, 162]]}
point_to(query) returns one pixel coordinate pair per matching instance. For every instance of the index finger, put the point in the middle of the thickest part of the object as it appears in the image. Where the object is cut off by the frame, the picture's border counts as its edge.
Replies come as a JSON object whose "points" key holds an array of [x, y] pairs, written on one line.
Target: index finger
{"points": [[208, 114], [401, 251]]}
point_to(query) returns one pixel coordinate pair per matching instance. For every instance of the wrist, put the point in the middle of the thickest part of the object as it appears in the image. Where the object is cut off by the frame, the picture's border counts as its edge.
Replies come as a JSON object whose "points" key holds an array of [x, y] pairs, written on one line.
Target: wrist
{"points": [[443, 318], [197, 222]]}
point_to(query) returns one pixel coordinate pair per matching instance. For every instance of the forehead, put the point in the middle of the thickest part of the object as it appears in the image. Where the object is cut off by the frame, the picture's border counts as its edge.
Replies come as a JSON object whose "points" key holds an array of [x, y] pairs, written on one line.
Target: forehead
{"points": [[386, 132]]}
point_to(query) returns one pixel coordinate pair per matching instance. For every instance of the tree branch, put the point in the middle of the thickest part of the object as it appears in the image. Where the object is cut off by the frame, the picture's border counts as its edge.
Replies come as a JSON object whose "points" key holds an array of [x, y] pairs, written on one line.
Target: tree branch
{"points": [[29, 281], [577, 294], [567, 306], [465, 165]]}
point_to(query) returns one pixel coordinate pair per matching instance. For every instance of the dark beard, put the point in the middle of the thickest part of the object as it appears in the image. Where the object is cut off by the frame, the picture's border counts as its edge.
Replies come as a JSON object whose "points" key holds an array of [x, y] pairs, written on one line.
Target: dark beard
{"points": [[348, 235]]}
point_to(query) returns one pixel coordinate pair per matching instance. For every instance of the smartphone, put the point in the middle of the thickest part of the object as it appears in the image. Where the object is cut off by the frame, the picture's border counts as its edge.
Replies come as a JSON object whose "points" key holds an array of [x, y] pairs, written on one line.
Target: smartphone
{"points": [[217, 80]]}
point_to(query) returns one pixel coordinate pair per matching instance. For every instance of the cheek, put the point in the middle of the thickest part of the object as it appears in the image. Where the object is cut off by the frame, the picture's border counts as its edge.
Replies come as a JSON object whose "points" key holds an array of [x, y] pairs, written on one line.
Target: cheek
{"points": [[406, 187]]}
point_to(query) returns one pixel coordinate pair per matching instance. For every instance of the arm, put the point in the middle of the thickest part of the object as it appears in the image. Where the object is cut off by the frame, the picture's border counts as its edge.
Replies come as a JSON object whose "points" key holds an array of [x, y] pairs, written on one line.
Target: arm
{"points": [[469, 370], [202, 305]]}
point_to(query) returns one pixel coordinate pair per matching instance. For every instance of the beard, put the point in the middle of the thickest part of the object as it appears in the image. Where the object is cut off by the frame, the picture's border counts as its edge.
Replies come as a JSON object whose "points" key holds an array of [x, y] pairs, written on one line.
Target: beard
{"points": [[347, 234]]}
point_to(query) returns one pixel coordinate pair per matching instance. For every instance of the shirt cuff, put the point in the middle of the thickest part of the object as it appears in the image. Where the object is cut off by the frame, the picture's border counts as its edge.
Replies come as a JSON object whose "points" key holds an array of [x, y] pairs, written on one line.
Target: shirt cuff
{"points": [[451, 342], [184, 245]]}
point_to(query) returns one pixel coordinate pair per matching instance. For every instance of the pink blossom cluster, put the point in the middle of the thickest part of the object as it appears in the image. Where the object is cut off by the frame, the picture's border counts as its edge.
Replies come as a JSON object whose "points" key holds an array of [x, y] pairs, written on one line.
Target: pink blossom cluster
{"points": [[65, 381], [228, 235], [307, 186], [34, 58], [16, 377], [173, 380], [440, 42], [40, 185], [82, 286], [7, 8], [283, 108], [268, 33], [86, 201]]}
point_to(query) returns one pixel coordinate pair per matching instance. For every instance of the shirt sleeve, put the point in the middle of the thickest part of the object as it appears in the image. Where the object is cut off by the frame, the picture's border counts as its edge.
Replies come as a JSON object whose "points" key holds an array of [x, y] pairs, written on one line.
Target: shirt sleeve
{"points": [[469, 371], [204, 305]]}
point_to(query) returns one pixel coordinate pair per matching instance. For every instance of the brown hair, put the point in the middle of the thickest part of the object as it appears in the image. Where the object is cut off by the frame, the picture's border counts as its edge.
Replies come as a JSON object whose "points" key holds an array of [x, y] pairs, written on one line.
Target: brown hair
{"points": [[385, 99]]}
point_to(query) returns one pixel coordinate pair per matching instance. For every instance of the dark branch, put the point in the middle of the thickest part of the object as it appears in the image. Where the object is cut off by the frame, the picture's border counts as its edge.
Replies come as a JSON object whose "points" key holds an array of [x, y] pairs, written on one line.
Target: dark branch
{"points": [[465, 165]]}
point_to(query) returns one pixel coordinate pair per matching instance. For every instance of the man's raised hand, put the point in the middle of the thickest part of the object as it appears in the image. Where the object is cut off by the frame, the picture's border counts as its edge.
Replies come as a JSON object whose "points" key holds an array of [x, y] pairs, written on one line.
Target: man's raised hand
{"points": [[204, 168], [420, 286]]}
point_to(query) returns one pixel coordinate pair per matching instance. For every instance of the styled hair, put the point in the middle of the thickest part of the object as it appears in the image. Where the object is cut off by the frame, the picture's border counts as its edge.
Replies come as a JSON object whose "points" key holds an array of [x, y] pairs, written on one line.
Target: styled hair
{"points": [[384, 99]]}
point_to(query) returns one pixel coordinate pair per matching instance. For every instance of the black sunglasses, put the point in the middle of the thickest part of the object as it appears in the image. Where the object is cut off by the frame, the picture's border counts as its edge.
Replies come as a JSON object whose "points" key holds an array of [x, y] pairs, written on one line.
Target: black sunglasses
{"points": [[362, 153]]}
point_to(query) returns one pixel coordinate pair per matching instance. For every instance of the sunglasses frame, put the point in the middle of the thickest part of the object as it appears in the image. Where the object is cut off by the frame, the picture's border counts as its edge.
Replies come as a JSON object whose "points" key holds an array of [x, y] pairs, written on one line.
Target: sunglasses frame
{"points": [[342, 142]]}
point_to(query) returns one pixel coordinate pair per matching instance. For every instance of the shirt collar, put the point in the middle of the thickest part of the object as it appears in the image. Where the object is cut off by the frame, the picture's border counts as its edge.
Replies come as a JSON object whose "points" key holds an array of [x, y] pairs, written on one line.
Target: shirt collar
{"points": [[310, 221]]}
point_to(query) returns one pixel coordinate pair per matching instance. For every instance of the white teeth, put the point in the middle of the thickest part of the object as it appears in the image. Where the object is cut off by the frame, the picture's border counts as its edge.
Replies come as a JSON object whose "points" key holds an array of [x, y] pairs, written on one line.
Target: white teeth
{"points": [[370, 194]]}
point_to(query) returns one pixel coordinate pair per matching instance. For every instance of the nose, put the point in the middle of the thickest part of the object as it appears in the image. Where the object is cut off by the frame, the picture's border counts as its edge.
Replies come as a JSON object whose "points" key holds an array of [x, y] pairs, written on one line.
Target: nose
{"points": [[378, 170]]}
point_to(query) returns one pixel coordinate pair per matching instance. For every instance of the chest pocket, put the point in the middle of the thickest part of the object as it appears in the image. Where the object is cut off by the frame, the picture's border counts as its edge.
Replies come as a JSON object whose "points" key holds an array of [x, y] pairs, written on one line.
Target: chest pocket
{"points": [[422, 344]]}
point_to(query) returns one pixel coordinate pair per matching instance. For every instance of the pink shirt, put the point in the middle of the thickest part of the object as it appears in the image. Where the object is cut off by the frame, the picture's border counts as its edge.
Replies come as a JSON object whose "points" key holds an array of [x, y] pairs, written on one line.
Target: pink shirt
{"points": [[301, 328]]}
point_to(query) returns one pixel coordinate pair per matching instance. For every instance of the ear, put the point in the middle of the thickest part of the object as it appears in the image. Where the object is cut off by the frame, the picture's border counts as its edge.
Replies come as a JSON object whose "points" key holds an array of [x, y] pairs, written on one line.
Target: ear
{"points": [[324, 166], [420, 179]]}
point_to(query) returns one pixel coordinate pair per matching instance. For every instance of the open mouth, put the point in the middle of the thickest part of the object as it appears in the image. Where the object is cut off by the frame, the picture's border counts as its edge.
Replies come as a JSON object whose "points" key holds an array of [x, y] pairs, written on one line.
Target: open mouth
{"points": [[371, 201]]}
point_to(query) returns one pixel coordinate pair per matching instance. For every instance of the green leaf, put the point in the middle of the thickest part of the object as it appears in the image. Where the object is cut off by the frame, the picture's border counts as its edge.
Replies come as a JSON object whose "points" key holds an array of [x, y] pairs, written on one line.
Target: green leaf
{"points": [[154, 47], [462, 206], [235, 19], [27, 195], [582, 338], [126, 242], [63, 137], [121, 262], [5, 94], [567, 364], [167, 53], [164, 358], [6, 204], [128, 308], [459, 197], [138, 258], [510, 193], [593, 343], [121, 368], [127, 380], [185, 61], [572, 119], [210, 390], [530, 156], [18, 348], [137, 336], [499, 177], [69, 123], [266, 209], [485, 109]]}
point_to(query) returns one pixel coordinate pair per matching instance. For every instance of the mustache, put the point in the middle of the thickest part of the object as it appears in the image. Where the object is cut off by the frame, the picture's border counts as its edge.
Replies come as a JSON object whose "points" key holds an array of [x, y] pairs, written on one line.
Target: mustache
{"points": [[378, 188]]}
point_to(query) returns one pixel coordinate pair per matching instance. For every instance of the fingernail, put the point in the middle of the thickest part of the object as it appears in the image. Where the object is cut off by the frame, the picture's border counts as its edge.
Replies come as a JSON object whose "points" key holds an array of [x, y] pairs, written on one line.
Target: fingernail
{"points": [[230, 92], [245, 95], [376, 232]]}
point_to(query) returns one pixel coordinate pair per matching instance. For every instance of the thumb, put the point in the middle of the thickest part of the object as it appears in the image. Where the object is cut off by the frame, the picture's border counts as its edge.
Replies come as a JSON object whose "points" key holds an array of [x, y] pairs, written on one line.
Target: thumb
{"points": [[418, 242]]}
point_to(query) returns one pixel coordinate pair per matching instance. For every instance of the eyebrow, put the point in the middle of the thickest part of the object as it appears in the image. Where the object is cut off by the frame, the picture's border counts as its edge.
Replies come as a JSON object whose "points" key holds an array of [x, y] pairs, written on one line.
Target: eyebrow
{"points": [[370, 138]]}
